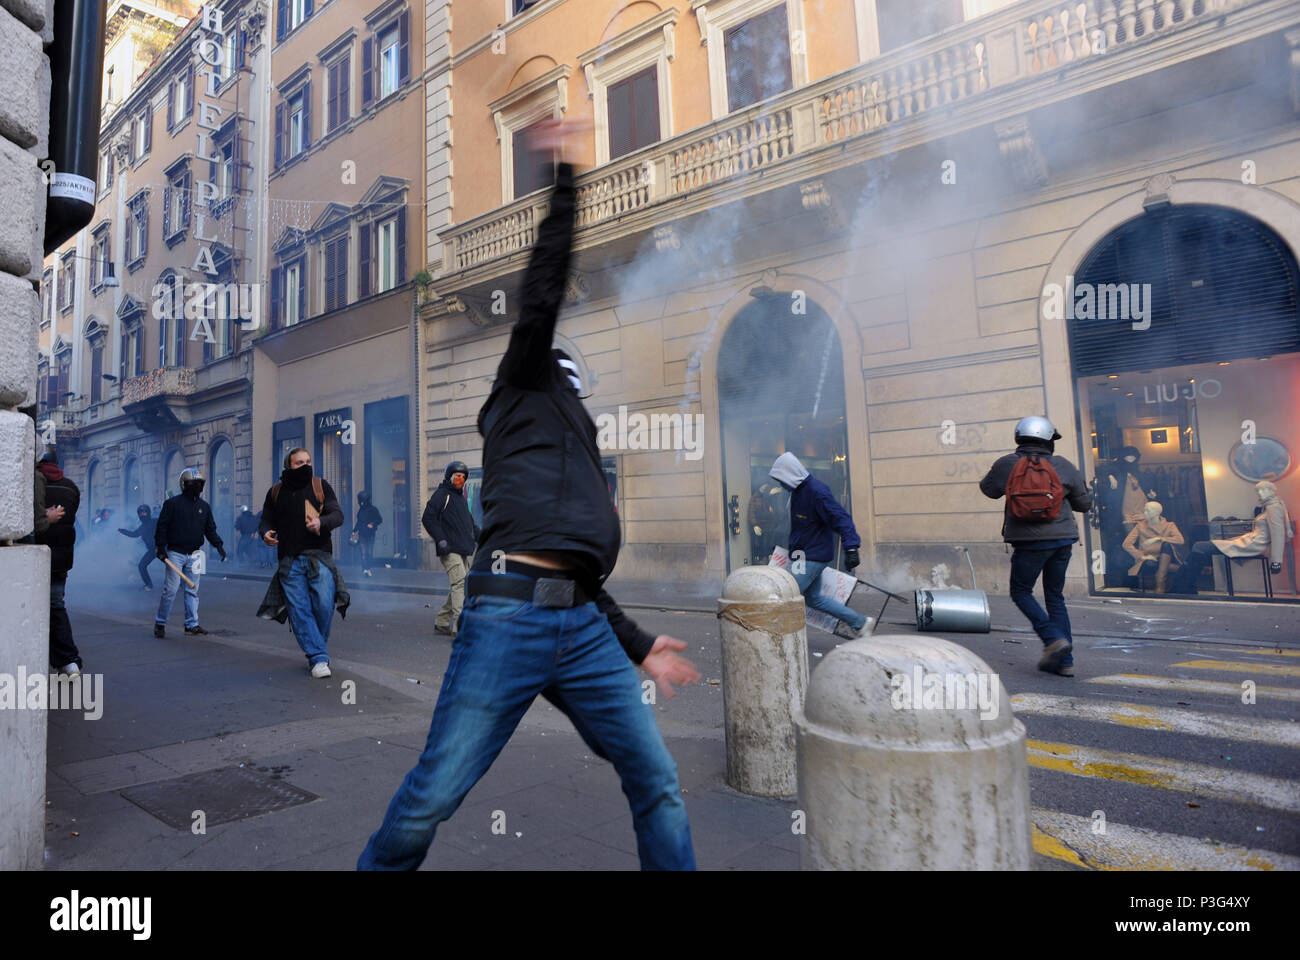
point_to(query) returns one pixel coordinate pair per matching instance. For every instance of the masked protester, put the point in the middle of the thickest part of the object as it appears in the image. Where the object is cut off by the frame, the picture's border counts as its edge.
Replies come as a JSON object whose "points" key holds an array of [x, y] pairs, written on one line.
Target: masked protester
{"points": [[183, 523], [364, 529], [297, 518], [246, 526], [537, 619], [145, 531], [60, 535], [447, 520]]}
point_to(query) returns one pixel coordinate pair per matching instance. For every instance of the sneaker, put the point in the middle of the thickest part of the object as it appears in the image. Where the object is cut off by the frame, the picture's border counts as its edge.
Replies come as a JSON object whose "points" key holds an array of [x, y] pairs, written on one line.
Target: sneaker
{"points": [[320, 670], [159, 631], [844, 631], [147, 587], [70, 669], [196, 630], [439, 628], [1053, 660], [367, 573]]}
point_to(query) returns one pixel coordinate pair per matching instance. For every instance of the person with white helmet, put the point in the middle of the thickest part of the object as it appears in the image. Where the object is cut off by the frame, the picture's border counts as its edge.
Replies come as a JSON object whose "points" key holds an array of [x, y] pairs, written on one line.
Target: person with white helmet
{"points": [[1041, 490]]}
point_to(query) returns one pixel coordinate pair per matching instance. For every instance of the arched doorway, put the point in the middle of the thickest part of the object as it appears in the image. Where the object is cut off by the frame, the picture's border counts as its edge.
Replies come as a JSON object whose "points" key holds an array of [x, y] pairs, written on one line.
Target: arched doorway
{"points": [[132, 489], [220, 489], [780, 388], [1184, 335]]}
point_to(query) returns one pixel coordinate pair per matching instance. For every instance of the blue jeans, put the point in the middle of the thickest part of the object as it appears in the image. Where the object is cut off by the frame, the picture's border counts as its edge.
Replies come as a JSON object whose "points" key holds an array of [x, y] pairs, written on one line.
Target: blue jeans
{"points": [[172, 582], [810, 585], [1027, 565], [311, 607], [507, 652]]}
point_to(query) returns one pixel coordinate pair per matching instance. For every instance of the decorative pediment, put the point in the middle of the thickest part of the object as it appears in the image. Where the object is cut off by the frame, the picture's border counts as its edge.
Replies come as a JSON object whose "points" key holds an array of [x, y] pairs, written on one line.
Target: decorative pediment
{"points": [[290, 238], [382, 189], [60, 346], [332, 214], [129, 308], [94, 328]]}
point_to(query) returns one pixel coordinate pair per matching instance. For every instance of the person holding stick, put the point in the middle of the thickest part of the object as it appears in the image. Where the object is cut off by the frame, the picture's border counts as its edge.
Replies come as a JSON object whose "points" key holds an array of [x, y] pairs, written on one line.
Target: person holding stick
{"points": [[183, 523]]}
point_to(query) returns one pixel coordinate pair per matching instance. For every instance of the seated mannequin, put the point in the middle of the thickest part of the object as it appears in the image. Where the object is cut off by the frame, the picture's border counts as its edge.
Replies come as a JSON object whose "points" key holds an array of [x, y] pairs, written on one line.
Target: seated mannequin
{"points": [[1267, 539], [1152, 540]]}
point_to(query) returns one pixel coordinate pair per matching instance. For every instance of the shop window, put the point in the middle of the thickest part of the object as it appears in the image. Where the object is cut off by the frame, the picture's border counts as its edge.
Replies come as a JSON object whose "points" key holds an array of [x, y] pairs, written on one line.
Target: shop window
{"points": [[1184, 329]]}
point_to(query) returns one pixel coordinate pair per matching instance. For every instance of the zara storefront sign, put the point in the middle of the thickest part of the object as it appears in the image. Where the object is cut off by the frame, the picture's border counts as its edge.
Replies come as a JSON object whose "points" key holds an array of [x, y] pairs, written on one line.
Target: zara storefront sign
{"points": [[208, 300]]}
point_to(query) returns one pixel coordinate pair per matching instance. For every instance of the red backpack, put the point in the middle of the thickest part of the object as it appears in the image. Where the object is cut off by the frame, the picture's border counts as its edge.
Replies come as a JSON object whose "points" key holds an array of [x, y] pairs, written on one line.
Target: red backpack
{"points": [[1034, 491]]}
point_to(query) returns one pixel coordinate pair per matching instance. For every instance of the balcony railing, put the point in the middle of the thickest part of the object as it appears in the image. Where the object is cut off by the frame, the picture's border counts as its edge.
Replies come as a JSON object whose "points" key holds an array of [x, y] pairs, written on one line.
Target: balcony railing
{"points": [[162, 382], [1032, 42]]}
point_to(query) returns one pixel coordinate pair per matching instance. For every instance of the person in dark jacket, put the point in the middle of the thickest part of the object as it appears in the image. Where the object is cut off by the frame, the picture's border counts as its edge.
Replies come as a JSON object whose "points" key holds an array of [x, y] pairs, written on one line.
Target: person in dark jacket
{"points": [[184, 522], [537, 619], [1042, 547], [299, 513], [448, 522], [249, 541], [60, 536], [815, 518], [364, 529], [146, 534]]}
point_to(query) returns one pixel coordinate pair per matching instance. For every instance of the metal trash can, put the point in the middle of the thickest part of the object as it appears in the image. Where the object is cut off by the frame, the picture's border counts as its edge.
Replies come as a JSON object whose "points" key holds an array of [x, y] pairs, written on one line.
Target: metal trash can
{"points": [[959, 611]]}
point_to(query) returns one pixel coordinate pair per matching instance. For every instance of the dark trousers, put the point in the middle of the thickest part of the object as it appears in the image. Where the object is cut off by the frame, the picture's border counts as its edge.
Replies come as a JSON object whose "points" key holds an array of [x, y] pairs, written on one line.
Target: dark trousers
{"points": [[367, 550], [143, 567], [1202, 554], [1027, 564], [63, 650]]}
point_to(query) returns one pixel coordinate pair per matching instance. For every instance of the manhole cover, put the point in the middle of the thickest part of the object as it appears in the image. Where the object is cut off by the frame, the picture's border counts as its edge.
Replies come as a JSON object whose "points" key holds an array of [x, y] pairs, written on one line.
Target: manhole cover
{"points": [[223, 795]]}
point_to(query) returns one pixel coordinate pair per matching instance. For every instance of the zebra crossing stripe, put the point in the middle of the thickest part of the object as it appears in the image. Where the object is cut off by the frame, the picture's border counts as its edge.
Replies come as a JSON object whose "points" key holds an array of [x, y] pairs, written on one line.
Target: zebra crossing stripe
{"points": [[1275, 732], [1078, 840], [1237, 666], [1231, 785], [1185, 685]]}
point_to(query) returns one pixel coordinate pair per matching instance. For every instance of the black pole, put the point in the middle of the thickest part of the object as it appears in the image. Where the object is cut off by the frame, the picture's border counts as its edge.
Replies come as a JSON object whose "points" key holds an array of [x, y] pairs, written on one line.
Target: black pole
{"points": [[76, 68]]}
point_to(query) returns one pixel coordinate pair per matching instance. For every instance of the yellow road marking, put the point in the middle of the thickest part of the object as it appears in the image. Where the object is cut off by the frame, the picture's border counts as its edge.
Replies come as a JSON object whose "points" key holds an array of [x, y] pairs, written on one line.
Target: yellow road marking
{"points": [[1237, 666], [1195, 778], [1257, 651], [1279, 733], [1072, 839], [1196, 686]]}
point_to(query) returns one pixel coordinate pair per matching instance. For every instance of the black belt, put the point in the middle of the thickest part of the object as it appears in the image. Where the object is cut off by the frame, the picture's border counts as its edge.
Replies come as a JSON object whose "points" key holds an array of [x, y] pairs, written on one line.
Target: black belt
{"points": [[557, 591]]}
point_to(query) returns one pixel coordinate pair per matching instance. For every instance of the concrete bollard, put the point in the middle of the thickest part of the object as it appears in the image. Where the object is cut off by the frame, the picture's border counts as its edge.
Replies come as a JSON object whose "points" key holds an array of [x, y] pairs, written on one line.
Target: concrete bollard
{"points": [[910, 758], [764, 677]]}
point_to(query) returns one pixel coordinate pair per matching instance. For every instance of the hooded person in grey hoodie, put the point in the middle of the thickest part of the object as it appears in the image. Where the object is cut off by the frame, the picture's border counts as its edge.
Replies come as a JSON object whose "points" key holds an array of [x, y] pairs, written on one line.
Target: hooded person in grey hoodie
{"points": [[815, 517]]}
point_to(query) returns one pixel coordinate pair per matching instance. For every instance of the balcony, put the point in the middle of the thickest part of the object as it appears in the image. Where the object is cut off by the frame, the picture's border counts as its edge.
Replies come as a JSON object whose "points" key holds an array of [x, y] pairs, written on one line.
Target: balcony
{"points": [[1026, 56], [153, 401]]}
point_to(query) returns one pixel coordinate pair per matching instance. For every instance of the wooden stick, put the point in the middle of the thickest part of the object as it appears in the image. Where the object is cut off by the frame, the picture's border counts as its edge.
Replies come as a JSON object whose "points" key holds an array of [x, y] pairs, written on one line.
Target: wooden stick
{"points": [[188, 581]]}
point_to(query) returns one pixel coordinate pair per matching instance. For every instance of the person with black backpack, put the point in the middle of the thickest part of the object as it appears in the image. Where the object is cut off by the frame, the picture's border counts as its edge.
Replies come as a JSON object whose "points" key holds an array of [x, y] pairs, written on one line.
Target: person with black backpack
{"points": [[1038, 485]]}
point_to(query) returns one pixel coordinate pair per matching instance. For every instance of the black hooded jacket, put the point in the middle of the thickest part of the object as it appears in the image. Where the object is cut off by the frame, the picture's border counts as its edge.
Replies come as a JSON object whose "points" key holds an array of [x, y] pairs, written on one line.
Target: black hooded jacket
{"points": [[146, 529], [447, 517], [285, 513], [60, 536], [183, 523], [544, 490]]}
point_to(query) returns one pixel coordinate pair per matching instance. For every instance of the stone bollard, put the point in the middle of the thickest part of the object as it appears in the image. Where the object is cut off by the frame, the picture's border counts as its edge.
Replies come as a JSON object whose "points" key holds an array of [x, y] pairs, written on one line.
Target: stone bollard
{"points": [[764, 676], [911, 759]]}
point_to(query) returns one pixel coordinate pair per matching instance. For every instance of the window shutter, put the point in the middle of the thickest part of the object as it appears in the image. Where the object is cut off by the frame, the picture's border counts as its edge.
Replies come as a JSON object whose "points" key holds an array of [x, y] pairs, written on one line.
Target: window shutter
{"points": [[363, 260], [401, 245], [162, 342], [241, 47], [189, 90], [144, 227], [329, 276], [306, 115], [138, 337], [308, 9], [281, 18], [341, 263], [148, 128], [171, 110], [279, 134], [302, 289], [277, 281], [131, 151], [185, 200], [178, 331], [345, 89], [167, 211], [332, 102], [404, 49], [367, 72], [123, 357]]}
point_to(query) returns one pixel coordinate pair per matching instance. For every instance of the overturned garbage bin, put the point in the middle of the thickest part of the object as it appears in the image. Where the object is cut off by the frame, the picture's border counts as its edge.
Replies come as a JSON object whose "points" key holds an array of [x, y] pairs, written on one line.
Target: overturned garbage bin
{"points": [[764, 676], [910, 758]]}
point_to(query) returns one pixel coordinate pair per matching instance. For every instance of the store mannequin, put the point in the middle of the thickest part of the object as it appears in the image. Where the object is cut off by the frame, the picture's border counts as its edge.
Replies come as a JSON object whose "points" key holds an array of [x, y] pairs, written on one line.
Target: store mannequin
{"points": [[1132, 486], [1152, 540], [1267, 539]]}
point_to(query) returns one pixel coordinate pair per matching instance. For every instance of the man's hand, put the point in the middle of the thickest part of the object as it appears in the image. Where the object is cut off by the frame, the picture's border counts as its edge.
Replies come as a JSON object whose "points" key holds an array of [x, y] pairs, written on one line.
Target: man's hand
{"points": [[314, 524], [1114, 484], [269, 538], [124, 531], [442, 547], [221, 550], [161, 554], [852, 559], [666, 667], [54, 514]]}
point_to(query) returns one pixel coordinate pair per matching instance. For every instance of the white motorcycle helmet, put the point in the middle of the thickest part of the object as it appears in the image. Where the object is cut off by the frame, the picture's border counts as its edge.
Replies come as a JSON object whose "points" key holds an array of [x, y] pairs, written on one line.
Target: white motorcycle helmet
{"points": [[1037, 428]]}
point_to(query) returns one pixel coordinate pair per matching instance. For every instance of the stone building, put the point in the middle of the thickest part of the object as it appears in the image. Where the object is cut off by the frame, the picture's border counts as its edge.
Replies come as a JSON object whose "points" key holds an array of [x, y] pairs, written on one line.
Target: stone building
{"points": [[877, 234]]}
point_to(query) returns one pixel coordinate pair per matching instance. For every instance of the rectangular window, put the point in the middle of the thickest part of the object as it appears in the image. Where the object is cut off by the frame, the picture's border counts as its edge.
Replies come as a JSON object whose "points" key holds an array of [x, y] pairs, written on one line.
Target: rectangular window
{"points": [[179, 100], [390, 248], [69, 285], [297, 125], [901, 22], [47, 294], [99, 258], [758, 58], [388, 63], [226, 170], [292, 294], [336, 273], [141, 135], [534, 169], [633, 113], [340, 95], [97, 372], [297, 13]]}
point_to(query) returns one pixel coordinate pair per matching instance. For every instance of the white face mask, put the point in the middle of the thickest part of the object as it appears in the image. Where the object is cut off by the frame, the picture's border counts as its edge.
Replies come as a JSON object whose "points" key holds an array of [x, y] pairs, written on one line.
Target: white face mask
{"points": [[1130, 459], [571, 369]]}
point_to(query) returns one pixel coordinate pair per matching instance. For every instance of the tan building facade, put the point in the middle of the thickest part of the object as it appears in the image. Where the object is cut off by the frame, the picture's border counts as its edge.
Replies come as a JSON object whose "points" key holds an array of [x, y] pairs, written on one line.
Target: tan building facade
{"points": [[877, 235], [148, 312], [334, 370]]}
